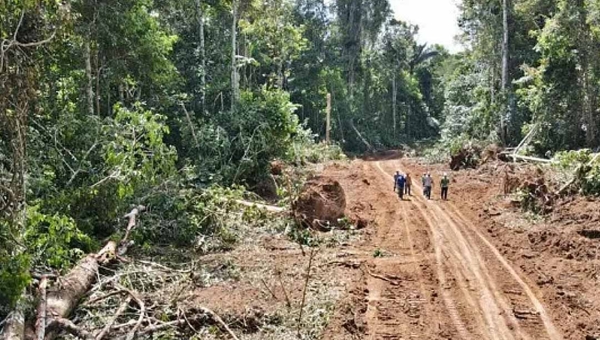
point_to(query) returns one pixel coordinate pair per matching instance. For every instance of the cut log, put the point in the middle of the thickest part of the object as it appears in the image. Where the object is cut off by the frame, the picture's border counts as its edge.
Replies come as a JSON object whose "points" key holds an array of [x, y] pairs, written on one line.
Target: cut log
{"points": [[529, 159], [269, 208], [40, 324], [62, 299]]}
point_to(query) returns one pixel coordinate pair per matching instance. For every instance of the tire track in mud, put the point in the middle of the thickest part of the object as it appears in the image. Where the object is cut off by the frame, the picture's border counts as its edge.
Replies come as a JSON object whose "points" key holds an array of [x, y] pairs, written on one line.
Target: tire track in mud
{"points": [[451, 235], [547, 321], [449, 302], [407, 309]]}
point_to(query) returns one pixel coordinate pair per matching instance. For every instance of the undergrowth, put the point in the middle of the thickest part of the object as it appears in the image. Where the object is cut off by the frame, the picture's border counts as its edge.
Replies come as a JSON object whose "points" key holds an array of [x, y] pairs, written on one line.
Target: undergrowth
{"points": [[584, 166]]}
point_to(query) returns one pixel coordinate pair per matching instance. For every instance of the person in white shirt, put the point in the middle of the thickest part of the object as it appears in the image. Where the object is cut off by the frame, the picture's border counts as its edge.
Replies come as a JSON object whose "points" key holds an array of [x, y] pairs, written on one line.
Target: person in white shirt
{"points": [[427, 185]]}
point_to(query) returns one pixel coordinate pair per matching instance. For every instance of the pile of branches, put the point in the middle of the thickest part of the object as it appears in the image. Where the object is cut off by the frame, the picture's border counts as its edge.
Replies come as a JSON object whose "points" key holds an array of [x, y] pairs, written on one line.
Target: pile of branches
{"points": [[108, 296]]}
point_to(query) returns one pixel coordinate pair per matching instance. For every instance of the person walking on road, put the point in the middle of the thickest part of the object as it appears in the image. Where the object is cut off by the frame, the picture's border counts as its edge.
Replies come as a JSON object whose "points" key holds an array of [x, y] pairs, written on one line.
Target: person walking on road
{"points": [[423, 183], [408, 184], [444, 184], [399, 182], [396, 175], [427, 185]]}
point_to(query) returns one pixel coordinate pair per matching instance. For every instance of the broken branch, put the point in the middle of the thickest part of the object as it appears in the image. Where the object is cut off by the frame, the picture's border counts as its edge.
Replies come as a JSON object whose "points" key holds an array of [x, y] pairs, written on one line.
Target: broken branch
{"points": [[118, 313], [71, 328], [377, 276]]}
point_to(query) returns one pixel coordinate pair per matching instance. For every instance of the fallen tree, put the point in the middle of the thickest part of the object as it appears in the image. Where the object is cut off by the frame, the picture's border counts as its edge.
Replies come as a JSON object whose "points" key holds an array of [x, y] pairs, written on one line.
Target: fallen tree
{"points": [[61, 299]]}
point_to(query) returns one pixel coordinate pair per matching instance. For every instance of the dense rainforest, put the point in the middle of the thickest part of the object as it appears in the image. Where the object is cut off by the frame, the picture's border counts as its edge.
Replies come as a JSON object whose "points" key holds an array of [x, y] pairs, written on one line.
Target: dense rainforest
{"points": [[164, 103]]}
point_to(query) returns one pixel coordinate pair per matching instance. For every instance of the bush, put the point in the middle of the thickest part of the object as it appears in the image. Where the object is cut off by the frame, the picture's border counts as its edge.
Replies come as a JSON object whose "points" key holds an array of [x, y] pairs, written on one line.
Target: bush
{"points": [[210, 219], [260, 129], [54, 241], [465, 151], [14, 277], [584, 166], [304, 149]]}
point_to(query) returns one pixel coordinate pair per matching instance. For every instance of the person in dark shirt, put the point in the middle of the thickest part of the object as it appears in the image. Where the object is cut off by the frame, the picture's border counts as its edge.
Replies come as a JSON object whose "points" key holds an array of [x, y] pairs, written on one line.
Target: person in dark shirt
{"points": [[399, 182]]}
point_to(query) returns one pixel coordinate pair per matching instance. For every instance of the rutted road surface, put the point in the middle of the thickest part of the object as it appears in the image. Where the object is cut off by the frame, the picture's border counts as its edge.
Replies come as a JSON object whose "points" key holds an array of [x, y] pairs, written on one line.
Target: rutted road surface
{"points": [[441, 278]]}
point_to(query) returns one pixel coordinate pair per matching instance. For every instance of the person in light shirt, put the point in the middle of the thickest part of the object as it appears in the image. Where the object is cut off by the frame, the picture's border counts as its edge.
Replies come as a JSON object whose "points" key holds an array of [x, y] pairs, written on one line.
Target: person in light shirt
{"points": [[428, 185]]}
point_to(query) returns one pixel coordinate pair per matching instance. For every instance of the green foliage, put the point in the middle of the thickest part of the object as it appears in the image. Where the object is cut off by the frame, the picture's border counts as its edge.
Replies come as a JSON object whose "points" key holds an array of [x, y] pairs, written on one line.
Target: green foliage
{"points": [[584, 166], [136, 156], [571, 160], [378, 253], [54, 241], [468, 112], [14, 277], [304, 149], [238, 145]]}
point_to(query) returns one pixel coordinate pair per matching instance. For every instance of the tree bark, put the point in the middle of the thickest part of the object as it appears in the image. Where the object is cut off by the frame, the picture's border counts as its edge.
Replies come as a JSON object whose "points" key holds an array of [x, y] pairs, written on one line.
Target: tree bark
{"points": [[280, 75], [200, 15], [87, 55], [585, 47], [40, 324], [98, 70], [505, 75], [394, 97], [235, 78]]}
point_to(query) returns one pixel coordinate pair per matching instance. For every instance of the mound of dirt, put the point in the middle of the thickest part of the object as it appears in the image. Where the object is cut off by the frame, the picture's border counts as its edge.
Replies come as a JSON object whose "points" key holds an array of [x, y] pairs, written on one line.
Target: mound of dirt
{"points": [[321, 204]]}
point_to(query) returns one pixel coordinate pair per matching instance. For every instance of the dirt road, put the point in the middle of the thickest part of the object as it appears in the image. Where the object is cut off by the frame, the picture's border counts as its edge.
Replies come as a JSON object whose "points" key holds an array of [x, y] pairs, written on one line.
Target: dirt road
{"points": [[440, 277]]}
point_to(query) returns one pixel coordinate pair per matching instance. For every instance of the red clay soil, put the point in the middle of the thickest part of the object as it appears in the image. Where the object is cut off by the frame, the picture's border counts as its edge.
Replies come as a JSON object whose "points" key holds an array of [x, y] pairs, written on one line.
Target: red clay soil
{"points": [[321, 203], [472, 267]]}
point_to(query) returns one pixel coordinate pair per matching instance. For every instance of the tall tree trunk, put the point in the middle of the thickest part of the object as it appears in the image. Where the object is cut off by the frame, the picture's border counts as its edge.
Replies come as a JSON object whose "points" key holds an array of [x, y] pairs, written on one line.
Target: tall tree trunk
{"points": [[280, 75], [89, 91], [587, 53], [235, 78], [394, 96], [505, 75], [493, 84], [98, 70], [407, 121], [200, 15]]}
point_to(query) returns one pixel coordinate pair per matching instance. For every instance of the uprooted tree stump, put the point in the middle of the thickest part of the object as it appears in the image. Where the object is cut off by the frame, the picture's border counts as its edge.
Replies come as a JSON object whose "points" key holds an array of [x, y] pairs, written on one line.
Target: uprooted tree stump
{"points": [[535, 193], [467, 157], [321, 204]]}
